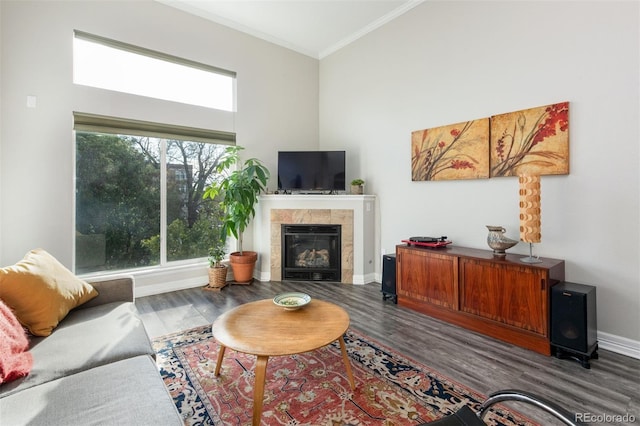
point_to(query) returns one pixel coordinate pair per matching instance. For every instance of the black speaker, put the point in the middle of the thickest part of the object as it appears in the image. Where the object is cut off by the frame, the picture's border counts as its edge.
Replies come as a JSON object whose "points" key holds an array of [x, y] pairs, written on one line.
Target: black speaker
{"points": [[389, 277], [574, 325]]}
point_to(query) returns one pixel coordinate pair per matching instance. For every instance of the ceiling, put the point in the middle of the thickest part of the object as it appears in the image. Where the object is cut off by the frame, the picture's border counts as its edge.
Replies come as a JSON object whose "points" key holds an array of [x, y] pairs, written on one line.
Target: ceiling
{"points": [[315, 28]]}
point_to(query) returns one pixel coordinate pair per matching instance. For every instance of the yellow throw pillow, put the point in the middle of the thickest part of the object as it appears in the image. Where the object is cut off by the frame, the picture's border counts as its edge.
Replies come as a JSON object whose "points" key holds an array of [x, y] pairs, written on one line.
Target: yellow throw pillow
{"points": [[41, 291]]}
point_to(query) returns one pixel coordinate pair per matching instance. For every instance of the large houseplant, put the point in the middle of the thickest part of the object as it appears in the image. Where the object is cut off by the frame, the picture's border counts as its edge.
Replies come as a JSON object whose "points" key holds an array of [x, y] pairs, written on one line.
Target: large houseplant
{"points": [[238, 191]]}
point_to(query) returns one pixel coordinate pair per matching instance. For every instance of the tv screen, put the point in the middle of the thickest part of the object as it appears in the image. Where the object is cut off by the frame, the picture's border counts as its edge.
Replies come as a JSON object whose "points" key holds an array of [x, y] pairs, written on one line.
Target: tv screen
{"points": [[311, 170]]}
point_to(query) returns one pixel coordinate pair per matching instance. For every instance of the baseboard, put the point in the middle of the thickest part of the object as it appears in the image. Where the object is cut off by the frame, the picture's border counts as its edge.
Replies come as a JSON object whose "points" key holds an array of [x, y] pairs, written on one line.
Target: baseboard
{"points": [[619, 345], [363, 279], [150, 282], [168, 287]]}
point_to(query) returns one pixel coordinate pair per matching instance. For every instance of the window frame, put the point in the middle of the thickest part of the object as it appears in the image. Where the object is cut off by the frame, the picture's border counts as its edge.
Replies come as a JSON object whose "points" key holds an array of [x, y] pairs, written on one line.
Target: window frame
{"points": [[117, 125], [84, 122]]}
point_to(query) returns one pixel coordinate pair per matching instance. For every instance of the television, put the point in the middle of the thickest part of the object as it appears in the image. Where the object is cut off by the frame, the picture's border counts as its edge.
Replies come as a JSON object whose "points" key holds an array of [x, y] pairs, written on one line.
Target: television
{"points": [[311, 171]]}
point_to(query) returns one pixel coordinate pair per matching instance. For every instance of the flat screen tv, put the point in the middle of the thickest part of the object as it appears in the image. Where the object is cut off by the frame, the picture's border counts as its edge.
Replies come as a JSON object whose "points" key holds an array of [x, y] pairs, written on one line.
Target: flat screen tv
{"points": [[311, 170]]}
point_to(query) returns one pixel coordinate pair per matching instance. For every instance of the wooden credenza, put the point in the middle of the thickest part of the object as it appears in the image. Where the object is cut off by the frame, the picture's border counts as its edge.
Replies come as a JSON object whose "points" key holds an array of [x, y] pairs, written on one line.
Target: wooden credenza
{"points": [[500, 297]]}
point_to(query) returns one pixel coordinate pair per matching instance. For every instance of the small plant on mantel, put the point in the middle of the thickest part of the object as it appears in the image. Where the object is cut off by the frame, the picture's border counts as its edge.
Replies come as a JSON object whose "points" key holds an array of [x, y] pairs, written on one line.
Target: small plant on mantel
{"points": [[357, 186]]}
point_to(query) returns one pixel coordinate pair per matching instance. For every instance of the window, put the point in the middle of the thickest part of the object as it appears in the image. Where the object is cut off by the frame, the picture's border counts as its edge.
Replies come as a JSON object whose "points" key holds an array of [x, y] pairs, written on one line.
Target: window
{"points": [[139, 185], [113, 65], [139, 194]]}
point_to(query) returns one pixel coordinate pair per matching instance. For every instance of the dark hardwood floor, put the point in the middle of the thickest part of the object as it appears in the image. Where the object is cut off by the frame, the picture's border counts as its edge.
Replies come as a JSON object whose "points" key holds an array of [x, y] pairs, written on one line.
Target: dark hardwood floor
{"points": [[610, 388]]}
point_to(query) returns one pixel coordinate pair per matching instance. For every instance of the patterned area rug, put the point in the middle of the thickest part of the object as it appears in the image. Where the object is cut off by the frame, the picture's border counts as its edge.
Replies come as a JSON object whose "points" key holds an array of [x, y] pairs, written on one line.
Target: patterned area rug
{"points": [[311, 388]]}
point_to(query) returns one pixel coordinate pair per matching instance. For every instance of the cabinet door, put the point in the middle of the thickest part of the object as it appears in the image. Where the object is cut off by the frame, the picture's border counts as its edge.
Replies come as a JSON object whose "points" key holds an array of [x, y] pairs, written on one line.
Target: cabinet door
{"points": [[510, 294], [427, 276]]}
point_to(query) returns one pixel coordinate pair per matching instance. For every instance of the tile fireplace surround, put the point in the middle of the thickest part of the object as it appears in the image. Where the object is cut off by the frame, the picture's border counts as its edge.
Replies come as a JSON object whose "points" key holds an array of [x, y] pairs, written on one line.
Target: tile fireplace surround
{"points": [[355, 214]]}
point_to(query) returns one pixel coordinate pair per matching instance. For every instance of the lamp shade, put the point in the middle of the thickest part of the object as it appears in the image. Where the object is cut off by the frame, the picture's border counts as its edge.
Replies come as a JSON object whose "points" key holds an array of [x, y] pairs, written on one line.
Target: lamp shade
{"points": [[530, 208]]}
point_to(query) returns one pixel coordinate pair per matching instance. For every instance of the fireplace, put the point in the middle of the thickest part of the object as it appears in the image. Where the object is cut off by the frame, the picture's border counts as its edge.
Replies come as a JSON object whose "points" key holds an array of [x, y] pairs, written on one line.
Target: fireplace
{"points": [[311, 252]]}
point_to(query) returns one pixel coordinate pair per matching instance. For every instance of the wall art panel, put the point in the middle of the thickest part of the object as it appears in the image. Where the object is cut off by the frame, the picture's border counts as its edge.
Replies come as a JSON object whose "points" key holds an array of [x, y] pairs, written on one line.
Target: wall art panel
{"points": [[533, 141], [455, 151]]}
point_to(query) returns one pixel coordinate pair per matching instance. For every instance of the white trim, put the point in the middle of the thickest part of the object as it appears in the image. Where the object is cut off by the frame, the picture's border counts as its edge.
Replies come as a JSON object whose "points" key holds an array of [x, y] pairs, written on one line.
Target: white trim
{"points": [[371, 27], [363, 279], [167, 287], [618, 344], [264, 275], [163, 202], [191, 7], [159, 280]]}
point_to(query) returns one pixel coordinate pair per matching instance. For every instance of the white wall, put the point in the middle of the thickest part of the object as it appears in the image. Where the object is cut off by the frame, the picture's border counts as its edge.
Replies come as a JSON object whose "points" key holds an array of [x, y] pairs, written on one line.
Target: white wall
{"points": [[447, 62], [441, 63], [277, 103]]}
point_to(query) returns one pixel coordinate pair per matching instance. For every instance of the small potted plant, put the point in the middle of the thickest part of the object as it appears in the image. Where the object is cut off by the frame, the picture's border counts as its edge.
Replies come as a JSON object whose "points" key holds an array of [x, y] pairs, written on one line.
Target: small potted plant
{"points": [[357, 186], [238, 191], [217, 270]]}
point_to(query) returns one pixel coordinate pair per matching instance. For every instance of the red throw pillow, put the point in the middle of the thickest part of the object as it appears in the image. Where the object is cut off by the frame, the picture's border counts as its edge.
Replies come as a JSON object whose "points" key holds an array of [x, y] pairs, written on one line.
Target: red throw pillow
{"points": [[15, 360]]}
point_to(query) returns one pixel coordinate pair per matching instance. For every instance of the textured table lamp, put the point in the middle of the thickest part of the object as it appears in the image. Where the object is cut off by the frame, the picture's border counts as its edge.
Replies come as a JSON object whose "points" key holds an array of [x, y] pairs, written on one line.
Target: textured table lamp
{"points": [[530, 213]]}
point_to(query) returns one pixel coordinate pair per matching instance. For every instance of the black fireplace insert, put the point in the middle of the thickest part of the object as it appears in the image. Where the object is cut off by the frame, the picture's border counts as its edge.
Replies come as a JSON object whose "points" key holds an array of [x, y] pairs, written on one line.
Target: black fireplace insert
{"points": [[311, 252]]}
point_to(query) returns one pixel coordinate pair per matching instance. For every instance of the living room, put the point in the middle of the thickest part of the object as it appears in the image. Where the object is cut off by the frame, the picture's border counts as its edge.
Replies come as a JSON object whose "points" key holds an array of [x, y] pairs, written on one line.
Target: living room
{"points": [[437, 64]]}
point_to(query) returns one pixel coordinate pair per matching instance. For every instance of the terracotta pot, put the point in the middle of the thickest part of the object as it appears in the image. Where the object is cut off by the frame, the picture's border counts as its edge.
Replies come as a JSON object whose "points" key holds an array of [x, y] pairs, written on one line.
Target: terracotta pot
{"points": [[243, 265]]}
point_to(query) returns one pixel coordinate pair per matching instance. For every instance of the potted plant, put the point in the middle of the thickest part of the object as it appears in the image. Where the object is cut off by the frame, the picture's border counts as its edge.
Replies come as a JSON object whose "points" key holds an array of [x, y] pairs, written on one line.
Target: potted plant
{"points": [[238, 191], [217, 270], [357, 186]]}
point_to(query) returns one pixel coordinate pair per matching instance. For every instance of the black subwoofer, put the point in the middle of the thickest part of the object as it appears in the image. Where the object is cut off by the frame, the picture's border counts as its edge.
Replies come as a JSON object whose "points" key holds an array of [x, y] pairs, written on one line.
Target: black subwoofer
{"points": [[389, 277], [574, 325]]}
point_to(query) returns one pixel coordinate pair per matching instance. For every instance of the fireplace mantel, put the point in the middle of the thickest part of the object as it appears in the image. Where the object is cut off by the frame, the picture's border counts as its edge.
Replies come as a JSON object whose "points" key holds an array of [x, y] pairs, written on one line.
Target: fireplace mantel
{"points": [[354, 212]]}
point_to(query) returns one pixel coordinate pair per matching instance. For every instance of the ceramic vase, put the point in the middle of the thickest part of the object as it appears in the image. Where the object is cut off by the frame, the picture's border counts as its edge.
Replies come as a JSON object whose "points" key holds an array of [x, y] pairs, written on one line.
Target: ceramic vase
{"points": [[498, 241]]}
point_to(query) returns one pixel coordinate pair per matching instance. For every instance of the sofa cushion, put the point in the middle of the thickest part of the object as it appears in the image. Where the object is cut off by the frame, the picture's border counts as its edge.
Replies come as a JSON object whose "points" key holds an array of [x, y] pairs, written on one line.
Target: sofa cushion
{"points": [[15, 359], [128, 392], [41, 291], [86, 338]]}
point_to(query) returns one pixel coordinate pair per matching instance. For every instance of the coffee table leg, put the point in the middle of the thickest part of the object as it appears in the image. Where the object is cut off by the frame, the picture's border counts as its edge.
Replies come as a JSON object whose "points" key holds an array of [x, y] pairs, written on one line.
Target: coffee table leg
{"points": [[219, 363], [258, 388], [347, 364]]}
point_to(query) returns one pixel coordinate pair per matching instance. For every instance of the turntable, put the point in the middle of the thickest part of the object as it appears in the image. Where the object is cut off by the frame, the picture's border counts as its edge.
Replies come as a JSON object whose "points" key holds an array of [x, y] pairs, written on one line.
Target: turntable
{"points": [[428, 241]]}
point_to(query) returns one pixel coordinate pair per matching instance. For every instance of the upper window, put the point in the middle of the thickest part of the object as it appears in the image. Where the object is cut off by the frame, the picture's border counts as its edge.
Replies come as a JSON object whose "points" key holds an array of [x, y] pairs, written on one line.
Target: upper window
{"points": [[113, 65]]}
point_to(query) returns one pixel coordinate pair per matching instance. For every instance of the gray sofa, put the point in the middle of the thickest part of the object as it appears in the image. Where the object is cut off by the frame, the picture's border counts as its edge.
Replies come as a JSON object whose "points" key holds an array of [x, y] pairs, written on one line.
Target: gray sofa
{"points": [[96, 368]]}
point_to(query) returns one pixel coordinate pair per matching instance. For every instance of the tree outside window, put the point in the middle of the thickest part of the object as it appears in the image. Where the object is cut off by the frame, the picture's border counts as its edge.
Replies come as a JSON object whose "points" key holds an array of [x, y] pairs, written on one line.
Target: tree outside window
{"points": [[119, 206]]}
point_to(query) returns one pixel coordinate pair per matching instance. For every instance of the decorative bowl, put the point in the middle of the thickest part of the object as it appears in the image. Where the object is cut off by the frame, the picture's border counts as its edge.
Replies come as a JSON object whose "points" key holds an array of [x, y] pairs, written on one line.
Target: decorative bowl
{"points": [[292, 301]]}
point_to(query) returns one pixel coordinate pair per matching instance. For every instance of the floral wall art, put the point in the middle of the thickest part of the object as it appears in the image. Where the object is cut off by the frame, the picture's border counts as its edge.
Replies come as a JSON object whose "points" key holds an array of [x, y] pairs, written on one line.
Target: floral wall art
{"points": [[532, 141], [455, 151]]}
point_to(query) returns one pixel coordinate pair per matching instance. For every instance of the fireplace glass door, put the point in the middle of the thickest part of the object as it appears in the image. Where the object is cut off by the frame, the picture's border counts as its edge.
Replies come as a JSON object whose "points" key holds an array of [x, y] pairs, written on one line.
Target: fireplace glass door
{"points": [[311, 252]]}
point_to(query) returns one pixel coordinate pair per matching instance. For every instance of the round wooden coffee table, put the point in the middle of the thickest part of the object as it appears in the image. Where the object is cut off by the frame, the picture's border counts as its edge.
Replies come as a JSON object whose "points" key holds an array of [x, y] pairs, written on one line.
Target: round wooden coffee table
{"points": [[263, 329]]}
